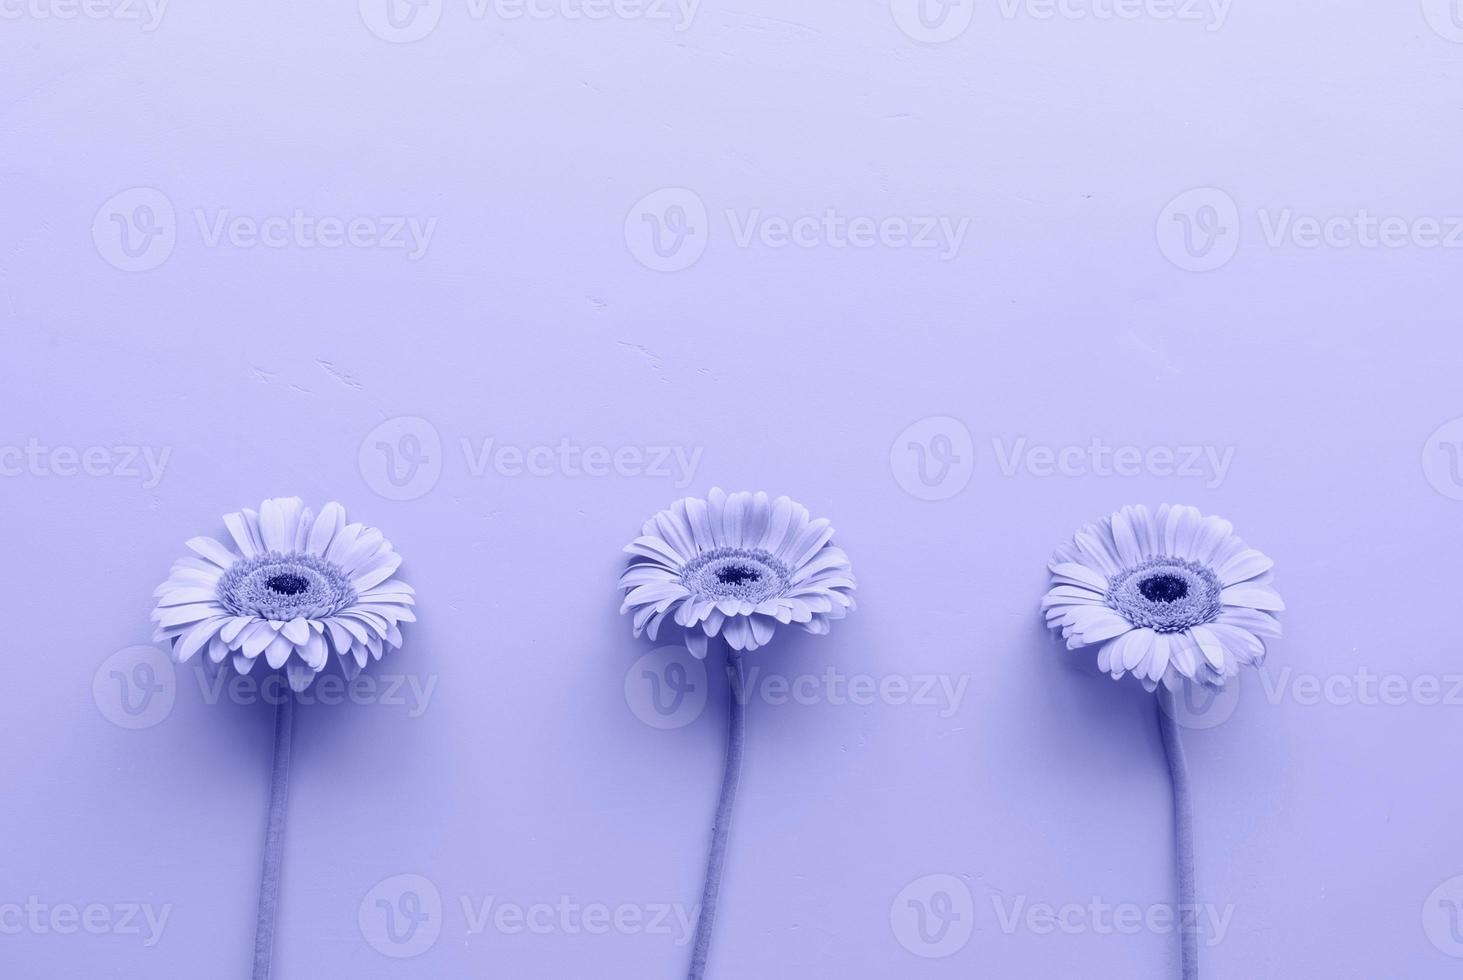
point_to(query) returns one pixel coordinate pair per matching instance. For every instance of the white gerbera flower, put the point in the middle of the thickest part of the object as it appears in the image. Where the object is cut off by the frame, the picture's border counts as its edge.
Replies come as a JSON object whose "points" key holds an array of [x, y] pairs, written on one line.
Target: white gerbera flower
{"points": [[737, 566], [298, 587], [1169, 596]]}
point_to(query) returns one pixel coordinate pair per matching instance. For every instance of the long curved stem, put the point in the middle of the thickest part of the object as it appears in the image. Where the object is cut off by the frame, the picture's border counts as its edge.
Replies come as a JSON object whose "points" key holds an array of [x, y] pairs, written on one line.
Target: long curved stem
{"points": [[1183, 833], [731, 775], [279, 787]]}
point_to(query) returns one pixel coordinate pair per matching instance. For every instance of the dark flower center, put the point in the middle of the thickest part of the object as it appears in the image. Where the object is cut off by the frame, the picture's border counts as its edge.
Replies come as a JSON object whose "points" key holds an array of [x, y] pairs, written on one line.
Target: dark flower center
{"points": [[285, 587], [1163, 588], [1168, 595], [737, 574], [287, 583]]}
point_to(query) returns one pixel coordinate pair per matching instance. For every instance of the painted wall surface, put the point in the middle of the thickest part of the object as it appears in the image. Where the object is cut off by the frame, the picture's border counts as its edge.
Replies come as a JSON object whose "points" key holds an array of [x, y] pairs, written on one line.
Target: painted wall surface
{"points": [[507, 277]]}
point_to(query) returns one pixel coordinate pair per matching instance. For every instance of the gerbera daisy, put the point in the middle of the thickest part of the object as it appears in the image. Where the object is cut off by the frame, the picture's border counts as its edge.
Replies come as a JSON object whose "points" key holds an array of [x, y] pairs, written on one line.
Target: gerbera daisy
{"points": [[1168, 596], [736, 566], [295, 588]]}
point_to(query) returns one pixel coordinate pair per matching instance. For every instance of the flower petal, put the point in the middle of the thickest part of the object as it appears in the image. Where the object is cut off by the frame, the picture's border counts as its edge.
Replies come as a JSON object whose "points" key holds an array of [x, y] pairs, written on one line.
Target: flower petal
{"points": [[278, 651], [699, 517], [647, 546], [213, 551], [1252, 596], [1243, 567], [1095, 552], [1126, 539], [300, 675], [1210, 645], [197, 637], [1158, 660], [242, 534], [376, 571], [1137, 648], [279, 519], [297, 631], [716, 514], [696, 642], [1080, 575], [762, 628], [737, 632], [330, 520], [1257, 622]]}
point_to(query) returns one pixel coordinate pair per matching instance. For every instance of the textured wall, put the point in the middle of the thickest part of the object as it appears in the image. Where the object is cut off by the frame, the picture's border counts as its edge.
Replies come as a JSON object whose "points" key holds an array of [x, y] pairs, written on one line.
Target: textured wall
{"points": [[1090, 259]]}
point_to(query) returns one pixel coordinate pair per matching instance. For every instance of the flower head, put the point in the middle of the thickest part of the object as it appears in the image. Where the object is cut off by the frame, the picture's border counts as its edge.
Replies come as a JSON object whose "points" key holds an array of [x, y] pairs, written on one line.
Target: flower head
{"points": [[294, 588], [735, 565], [1168, 596]]}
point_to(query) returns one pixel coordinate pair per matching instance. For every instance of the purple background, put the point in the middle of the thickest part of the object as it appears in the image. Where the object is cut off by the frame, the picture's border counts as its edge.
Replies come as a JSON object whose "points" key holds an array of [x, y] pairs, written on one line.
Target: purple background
{"points": [[1064, 317]]}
